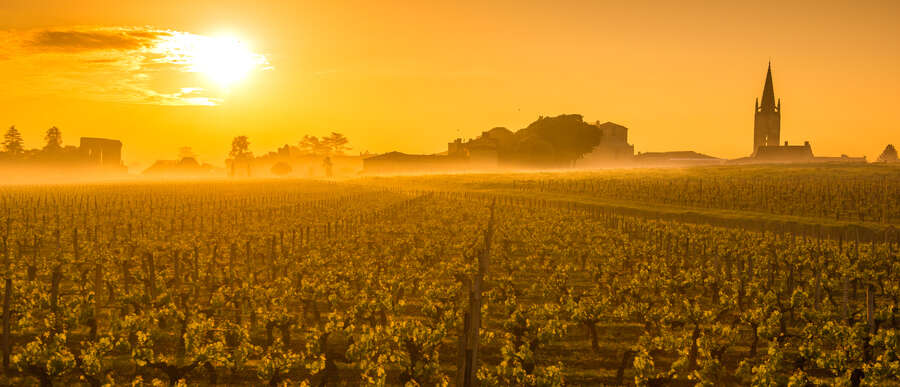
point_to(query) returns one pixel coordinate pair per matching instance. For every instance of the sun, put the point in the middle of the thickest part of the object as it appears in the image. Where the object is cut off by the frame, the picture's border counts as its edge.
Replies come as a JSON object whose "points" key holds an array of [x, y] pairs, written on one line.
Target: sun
{"points": [[225, 60]]}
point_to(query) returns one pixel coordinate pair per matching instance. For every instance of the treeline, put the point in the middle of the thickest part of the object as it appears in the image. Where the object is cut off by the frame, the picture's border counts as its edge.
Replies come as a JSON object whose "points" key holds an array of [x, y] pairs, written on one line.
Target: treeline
{"points": [[13, 148], [241, 159], [334, 144]]}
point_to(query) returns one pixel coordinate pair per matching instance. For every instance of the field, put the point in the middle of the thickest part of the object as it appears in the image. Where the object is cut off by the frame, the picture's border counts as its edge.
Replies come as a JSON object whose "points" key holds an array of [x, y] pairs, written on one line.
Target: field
{"points": [[705, 276]]}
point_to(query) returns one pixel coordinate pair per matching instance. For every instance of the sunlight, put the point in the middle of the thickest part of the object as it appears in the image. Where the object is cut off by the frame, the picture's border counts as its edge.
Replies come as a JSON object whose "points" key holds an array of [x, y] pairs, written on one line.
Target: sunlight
{"points": [[223, 59]]}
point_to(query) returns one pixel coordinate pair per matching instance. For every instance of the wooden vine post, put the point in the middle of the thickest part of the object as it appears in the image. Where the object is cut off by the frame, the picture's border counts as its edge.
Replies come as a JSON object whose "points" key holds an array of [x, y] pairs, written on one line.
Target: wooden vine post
{"points": [[467, 365], [75, 249], [6, 316], [884, 199]]}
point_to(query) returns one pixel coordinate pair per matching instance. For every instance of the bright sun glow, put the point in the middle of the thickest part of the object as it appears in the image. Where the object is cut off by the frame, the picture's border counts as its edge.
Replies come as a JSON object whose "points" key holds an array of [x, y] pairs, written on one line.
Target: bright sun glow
{"points": [[225, 60]]}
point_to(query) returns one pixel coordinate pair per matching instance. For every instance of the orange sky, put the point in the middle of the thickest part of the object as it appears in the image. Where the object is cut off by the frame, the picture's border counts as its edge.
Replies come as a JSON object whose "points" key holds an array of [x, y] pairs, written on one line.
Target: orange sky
{"points": [[411, 76]]}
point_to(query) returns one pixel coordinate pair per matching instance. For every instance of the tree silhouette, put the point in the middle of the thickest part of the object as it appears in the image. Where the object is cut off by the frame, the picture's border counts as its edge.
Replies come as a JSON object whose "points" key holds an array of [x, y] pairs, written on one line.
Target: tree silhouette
{"points": [[568, 134], [313, 146], [333, 144], [53, 139], [336, 143], [240, 147], [556, 141], [12, 141], [328, 166], [240, 150]]}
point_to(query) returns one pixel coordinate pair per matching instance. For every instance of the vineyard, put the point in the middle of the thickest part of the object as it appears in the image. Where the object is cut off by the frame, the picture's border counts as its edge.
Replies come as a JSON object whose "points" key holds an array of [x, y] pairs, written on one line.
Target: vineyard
{"points": [[456, 280]]}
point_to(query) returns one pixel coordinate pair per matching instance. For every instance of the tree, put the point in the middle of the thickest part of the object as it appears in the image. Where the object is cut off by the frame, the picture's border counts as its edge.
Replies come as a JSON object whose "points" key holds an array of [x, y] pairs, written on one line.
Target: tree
{"points": [[240, 150], [333, 144], [328, 166], [556, 141], [53, 139], [313, 146], [336, 143], [12, 141]]}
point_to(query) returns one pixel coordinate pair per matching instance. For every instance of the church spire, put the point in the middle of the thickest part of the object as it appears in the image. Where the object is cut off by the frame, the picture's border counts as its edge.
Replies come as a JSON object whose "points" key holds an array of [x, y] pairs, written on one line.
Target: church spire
{"points": [[768, 96], [767, 120]]}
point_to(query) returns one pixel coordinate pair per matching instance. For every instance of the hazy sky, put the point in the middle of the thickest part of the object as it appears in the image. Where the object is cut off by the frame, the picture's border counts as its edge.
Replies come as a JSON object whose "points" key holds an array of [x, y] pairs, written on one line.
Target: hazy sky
{"points": [[411, 76]]}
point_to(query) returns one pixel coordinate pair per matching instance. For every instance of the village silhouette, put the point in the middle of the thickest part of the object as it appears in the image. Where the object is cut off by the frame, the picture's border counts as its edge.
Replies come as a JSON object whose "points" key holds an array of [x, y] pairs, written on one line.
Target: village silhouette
{"points": [[565, 141]]}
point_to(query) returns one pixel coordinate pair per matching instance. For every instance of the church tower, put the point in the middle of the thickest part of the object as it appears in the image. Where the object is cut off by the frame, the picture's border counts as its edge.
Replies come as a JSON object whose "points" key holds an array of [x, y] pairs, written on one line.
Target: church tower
{"points": [[767, 122]]}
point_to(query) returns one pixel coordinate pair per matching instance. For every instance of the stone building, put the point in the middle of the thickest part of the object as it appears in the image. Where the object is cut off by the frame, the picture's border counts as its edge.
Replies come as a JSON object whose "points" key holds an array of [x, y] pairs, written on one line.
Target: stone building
{"points": [[767, 134], [483, 152], [549, 142], [613, 148], [785, 153], [101, 151]]}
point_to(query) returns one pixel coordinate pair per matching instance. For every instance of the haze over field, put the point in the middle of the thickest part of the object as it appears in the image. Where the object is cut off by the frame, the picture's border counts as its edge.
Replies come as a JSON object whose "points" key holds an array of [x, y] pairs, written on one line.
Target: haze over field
{"points": [[410, 76]]}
